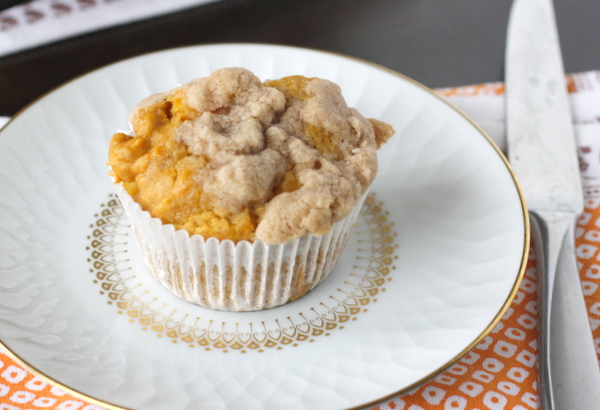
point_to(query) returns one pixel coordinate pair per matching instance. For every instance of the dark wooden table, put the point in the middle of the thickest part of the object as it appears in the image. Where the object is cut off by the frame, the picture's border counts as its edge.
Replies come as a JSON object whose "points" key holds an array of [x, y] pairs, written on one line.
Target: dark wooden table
{"points": [[437, 42]]}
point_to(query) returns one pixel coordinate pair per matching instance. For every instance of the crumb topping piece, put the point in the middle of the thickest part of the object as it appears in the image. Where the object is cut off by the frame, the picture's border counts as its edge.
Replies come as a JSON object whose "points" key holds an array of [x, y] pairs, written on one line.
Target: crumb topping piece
{"points": [[230, 157]]}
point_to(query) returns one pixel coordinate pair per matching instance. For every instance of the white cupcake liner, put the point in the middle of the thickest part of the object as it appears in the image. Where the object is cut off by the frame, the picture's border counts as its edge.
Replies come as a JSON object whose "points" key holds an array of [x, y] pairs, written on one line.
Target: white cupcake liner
{"points": [[236, 277]]}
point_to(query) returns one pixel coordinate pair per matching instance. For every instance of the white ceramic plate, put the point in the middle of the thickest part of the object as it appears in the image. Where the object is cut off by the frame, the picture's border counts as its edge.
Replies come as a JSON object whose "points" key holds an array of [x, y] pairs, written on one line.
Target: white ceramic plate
{"points": [[432, 264]]}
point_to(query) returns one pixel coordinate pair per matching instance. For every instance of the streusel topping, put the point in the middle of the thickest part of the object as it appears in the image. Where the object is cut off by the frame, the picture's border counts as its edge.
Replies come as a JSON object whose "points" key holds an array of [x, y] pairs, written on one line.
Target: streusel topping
{"points": [[231, 157]]}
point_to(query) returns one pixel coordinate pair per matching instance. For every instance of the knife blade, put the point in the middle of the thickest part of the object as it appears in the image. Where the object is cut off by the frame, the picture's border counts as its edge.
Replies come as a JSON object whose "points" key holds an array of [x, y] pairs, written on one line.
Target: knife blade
{"points": [[543, 154]]}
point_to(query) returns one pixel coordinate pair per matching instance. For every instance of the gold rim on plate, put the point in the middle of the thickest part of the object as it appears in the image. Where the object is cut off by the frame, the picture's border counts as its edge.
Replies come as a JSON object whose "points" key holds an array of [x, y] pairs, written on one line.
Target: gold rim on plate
{"points": [[526, 234]]}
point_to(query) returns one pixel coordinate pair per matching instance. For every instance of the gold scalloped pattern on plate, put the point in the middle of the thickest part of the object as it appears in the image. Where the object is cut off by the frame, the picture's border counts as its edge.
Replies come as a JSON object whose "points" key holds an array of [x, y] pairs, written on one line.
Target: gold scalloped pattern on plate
{"points": [[114, 273]]}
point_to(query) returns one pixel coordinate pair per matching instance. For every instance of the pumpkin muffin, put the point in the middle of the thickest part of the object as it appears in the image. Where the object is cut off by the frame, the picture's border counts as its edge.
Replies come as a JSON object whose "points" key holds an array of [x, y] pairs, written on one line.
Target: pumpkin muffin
{"points": [[251, 165]]}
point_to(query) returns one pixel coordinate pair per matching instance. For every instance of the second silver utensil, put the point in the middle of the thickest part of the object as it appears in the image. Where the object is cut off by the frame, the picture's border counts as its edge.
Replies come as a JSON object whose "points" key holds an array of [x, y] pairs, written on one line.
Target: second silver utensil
{"points": [[542, 152]]}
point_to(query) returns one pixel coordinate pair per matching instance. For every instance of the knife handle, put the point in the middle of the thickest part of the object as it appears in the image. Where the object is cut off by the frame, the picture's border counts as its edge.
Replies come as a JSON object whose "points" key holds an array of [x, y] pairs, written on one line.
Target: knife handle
{"points": [[569, 377]]}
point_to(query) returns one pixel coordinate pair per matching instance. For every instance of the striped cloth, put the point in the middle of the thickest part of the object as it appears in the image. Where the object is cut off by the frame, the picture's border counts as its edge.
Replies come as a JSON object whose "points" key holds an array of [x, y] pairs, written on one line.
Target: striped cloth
{"points": [[39, 22]]}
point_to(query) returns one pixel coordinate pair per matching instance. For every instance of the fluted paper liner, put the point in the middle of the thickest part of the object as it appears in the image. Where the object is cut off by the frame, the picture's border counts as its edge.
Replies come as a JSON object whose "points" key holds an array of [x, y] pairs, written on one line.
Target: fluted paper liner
{"points": [[228, 276]]}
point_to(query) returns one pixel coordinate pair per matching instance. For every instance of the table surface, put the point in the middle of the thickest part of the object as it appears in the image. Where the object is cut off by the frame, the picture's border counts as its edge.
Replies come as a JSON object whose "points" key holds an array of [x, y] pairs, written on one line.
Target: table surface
{"points": [[436, 42]]}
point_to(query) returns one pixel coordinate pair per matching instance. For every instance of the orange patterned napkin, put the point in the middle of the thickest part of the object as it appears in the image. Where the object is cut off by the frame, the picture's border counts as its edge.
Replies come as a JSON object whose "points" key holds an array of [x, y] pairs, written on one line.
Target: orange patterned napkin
{"points": [[500, 372]]}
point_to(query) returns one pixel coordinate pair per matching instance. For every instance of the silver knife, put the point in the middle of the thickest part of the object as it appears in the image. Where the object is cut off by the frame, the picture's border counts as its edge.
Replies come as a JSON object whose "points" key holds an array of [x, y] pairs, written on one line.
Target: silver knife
{"points": [[542, 151]]}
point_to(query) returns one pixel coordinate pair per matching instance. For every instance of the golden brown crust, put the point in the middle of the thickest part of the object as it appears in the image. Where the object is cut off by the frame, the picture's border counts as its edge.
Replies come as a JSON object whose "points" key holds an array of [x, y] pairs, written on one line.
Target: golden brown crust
{"points": [[383, 131], [227, 156]]}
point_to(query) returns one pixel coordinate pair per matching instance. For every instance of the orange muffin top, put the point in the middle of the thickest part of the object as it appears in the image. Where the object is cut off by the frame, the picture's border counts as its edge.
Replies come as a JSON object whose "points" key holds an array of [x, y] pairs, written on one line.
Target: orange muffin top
{"points": [[227, 156]]}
